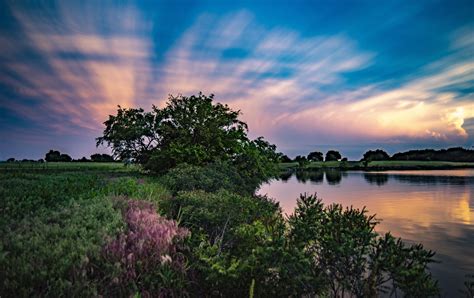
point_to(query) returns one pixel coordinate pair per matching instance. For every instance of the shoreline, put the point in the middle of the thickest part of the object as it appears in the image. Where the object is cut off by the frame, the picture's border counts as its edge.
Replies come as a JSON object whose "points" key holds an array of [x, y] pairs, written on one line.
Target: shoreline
{"points": [[378, 166]]}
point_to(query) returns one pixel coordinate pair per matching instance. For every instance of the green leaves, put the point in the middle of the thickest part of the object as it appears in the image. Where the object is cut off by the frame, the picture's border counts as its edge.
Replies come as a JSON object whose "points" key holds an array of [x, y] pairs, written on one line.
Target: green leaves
{"points": [[352, 257], [191, 130]]}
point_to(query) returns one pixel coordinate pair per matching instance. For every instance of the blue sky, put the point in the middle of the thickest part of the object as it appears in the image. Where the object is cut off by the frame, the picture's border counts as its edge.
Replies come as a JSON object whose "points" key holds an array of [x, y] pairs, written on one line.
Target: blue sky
{"points": [[307, 75]]}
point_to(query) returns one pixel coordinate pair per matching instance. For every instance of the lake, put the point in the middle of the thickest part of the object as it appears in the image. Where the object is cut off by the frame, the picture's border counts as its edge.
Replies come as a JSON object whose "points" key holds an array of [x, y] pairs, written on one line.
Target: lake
{"points": [[435, 208]]}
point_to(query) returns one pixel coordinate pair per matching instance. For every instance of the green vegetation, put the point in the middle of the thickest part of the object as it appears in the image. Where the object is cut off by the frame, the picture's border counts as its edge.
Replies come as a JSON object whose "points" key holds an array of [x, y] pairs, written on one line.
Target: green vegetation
{"points": [[380, 165], [184, 220], [188, 130], [76, 232]]}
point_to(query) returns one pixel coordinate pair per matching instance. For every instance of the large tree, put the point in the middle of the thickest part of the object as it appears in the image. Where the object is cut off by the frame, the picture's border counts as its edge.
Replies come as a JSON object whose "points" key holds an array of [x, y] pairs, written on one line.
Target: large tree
{"points": [[333, 155], [192, 130], [56, 156], [376, 155], [315, 156]]}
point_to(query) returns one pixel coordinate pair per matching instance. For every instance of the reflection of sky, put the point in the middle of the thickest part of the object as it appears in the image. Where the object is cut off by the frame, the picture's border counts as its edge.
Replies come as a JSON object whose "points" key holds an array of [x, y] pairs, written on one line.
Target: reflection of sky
{"points": [[428, 207], [359, 75]]}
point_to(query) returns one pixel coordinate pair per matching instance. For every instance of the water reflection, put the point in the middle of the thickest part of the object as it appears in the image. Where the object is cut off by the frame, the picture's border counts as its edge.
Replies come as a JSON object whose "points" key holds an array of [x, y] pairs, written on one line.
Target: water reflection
{"points": [[377, 179], [435, 208], [334, 177]]}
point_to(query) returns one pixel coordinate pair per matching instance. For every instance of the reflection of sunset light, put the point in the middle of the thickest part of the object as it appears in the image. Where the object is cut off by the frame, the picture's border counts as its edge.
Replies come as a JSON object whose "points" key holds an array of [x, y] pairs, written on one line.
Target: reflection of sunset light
{"points": [[463, 211], [403, 207]]}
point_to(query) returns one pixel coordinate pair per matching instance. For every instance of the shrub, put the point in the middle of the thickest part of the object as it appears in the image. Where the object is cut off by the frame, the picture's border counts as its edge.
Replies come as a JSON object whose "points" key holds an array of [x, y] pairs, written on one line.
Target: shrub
{"points": [[42, 255], [146, 257], [352, 257], [217, 214], [210, 178]]}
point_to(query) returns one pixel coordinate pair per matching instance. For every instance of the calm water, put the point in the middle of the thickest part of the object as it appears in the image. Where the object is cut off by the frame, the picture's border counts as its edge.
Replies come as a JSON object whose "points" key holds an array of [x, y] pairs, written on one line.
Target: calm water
{"points": [[435, 208]]}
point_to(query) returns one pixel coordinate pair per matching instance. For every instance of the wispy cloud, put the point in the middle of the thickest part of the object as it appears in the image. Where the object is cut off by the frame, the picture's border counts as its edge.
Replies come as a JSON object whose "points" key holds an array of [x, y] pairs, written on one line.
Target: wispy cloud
{"points": [[77, 74], [69, 66]]}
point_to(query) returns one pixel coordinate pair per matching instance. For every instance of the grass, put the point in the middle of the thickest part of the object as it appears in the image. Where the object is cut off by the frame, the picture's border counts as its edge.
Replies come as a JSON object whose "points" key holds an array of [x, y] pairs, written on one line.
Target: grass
{"points": [[83, 166], [382, 165], [55, 218]]}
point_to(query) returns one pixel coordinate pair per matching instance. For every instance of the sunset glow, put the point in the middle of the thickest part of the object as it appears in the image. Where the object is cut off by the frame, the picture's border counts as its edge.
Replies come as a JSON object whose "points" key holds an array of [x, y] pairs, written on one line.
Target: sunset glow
{"points": [[394, 77]]}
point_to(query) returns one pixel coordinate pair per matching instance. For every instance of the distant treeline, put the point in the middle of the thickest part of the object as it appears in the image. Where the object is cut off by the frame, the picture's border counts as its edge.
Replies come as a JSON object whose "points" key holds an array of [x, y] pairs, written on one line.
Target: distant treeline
{"points": [[56, 156], [457, 154]]}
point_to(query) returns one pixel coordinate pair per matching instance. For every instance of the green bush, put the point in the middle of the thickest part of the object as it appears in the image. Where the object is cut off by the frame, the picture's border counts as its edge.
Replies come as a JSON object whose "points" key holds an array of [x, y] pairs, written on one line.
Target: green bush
{"points": [[54, 224], [352, 258], [210, 178], [43, 255]]}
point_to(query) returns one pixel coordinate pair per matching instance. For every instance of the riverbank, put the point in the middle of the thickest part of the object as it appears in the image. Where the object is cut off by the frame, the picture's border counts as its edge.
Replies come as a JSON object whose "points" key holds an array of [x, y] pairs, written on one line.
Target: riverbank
{"points": [[379, 165]]}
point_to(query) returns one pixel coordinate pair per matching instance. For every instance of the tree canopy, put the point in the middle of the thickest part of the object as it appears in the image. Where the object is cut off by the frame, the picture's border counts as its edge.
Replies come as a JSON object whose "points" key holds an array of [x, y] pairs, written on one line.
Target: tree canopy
{"points": [[452, 154], [192, 130], [376, 155], [97, 157], [56, 156], [333, 155], [315, 156]]}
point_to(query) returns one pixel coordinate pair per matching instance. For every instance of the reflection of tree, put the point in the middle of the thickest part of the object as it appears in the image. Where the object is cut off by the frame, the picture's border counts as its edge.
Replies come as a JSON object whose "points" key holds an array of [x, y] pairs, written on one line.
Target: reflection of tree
{"points": [[379, 179], [316, 176], [285, 176], [434, 180], [302, 176], [333, 176]]}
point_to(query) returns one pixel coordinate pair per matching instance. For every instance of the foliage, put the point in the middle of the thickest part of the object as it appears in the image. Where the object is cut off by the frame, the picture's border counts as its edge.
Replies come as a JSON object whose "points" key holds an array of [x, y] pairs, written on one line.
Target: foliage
{"points": [[285, 158], [457, 154], [96, 233], [146, 257], [376, 155], [332, 155], [50, 226], [315, 156], [210, 178], [54, 224], [131, 134], [56, 156], [352, 258], [191, 130], [238, 242], [97, 157]]}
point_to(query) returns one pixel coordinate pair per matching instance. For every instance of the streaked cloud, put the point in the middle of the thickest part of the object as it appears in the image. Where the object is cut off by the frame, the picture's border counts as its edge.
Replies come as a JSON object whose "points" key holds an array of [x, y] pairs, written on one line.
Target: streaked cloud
{"points": [[67, 66]]}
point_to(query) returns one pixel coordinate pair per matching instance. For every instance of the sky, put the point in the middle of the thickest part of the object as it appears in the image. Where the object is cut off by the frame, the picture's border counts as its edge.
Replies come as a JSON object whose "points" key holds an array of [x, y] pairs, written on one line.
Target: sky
{"points": [[306, 75]]}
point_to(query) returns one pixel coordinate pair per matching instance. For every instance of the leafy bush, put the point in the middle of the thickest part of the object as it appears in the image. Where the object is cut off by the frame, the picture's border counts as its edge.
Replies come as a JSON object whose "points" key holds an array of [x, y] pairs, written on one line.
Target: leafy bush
{"points": [[53, 225], [210, 178], [43, 255], [217, 214], [223, 252], [352, 258], [145, 258]]}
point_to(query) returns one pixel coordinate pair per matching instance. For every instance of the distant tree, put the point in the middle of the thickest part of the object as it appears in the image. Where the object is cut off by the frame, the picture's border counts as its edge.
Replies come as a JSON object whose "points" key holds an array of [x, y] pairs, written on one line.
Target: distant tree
{"points": [[302, 161], [25, 160], [376, 155], [84, 159], [56, 156], [343, 165], [299, 158], [52, 155], [315, 156], [65, 158], [11, 159], [101, 158], [457, 154], [41, 160], [333, 155], [285, 158]]}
